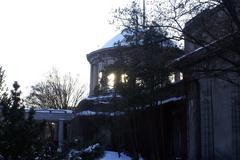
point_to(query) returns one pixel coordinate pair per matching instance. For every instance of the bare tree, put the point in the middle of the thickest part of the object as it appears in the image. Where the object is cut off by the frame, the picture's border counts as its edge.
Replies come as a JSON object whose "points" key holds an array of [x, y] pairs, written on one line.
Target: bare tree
{"points": [[56, 92], [175, 15], [147, 69], [3, 88], [172, 16], [210, 24]]}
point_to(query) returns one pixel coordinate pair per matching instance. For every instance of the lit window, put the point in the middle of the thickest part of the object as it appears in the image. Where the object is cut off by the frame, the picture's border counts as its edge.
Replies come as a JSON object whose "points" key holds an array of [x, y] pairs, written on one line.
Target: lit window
{"points": [[181, 76], [174, 77], [139, 82], [124, 78], [99, 77], [111, 80], [171, 77]]}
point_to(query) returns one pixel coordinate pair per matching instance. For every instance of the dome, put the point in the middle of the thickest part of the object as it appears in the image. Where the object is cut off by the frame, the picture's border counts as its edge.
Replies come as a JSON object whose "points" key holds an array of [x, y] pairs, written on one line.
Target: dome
{"points": [[119, 39]]}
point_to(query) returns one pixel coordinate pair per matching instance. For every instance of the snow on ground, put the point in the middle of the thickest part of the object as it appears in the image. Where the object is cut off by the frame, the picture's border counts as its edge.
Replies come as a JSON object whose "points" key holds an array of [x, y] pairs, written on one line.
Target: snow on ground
{"points": [[172, 99], [110, 155]]}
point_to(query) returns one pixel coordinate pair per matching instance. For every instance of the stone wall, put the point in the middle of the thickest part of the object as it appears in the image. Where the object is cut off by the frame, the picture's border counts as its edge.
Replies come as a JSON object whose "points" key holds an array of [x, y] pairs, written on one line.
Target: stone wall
{"points": [[213, 89], [213, 109], [207, 27]]}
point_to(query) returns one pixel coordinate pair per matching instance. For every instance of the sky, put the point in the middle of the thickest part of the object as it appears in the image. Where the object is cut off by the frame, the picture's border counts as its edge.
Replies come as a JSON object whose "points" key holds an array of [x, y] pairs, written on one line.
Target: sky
{"points": [[38, 35]]}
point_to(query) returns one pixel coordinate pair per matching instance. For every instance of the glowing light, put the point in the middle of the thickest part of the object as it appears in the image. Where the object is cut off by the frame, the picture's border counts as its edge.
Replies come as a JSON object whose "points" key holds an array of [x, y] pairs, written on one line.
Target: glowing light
{"points": [[124, 78], [139, 82], [111, 80], [171, 77], [100, 75], [181, 76]]}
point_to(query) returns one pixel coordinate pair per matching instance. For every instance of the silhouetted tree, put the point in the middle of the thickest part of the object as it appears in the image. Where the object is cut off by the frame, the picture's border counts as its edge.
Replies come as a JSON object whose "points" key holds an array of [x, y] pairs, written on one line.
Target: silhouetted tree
{"points": [[215, 27], [146, 65], [3, 89], [147, 69], [19, 133], [56, 92]]}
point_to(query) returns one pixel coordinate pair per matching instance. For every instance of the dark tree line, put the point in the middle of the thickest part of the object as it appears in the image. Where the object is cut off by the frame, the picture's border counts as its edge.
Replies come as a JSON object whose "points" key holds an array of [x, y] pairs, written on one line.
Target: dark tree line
{"points": [[17, 134], [21, 137]]}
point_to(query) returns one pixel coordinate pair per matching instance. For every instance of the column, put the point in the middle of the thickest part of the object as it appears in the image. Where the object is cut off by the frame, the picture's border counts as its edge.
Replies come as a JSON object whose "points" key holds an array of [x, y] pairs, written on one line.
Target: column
{"points": [[94, 78], [60, 134], [207, 132], [236, 122], [91, 80]]}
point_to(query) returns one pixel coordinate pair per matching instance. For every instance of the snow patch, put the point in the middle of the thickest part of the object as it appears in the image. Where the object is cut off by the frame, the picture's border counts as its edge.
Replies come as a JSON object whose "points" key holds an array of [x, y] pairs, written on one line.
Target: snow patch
{"points": [[67, 111], [118, 39], [172, 99], [86, 113], [110, 155], [203, 47], [92, 113], [89, 149]]}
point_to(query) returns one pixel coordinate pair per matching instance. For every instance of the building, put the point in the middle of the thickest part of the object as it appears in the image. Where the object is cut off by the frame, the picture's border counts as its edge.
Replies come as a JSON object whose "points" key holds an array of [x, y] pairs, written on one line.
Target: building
{"points": [[120, 52], [200, 115], [211, 74], [171, 99]]}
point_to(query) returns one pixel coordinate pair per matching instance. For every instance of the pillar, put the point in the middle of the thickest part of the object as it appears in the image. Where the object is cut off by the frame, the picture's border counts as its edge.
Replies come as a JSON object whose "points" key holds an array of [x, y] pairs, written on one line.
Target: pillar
{"points": [[93, 78], [60, 135]]}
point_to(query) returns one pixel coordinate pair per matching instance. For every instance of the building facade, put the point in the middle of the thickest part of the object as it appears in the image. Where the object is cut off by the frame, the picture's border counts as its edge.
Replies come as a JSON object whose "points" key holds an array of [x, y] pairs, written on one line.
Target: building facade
{"points": [[209, 123], [211, 72]]}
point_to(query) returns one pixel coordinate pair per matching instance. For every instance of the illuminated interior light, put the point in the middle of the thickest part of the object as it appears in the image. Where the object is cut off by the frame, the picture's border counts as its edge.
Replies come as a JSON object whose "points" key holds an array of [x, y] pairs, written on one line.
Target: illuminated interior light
{"points": [[124, 78], [111, 80], [171, 77]]}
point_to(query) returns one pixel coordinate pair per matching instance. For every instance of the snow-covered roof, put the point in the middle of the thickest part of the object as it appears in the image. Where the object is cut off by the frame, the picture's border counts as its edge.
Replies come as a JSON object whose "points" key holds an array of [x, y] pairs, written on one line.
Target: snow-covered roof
{"points": [[203, 51], [52, 114], [93, 113], [119, 39], [171, 99]]}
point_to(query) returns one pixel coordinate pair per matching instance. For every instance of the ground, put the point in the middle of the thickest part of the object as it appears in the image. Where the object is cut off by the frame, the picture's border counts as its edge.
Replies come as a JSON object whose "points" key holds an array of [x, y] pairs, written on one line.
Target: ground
{"points": [[110, 155]]}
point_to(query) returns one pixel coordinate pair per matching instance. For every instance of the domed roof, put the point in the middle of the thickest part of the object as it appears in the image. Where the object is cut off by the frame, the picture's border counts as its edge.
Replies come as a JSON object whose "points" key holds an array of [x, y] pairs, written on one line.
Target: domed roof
{"points": [[119, 39]]}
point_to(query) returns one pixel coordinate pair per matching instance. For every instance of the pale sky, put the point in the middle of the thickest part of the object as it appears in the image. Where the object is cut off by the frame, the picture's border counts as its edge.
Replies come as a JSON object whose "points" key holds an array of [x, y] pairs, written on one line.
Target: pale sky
{"points": [[37, 35]]}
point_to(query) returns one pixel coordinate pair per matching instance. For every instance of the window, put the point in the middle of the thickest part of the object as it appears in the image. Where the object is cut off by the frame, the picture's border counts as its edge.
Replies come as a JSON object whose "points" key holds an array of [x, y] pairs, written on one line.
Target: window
{"points": [[111, 80], [99, 76], [181, 76], [171, 77], [124, 78], [175, 77], [139, 82]]}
